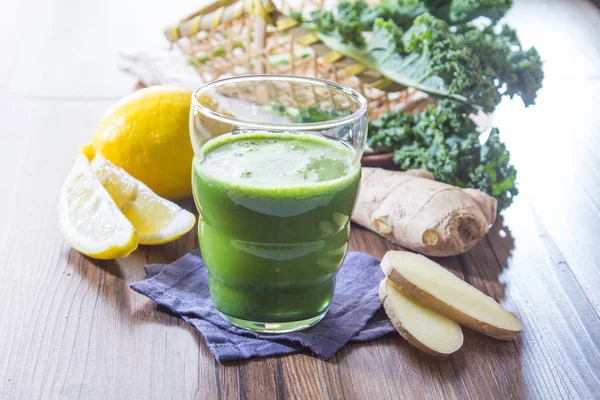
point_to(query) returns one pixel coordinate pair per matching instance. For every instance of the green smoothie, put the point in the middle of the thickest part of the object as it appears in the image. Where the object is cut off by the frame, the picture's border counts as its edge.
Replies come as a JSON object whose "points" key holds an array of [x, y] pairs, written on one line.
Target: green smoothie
{"points": [[275, 211]]}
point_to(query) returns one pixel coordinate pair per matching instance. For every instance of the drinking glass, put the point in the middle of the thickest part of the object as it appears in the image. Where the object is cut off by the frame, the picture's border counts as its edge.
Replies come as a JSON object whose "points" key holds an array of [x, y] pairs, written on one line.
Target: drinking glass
{"points": [[275, 176]]}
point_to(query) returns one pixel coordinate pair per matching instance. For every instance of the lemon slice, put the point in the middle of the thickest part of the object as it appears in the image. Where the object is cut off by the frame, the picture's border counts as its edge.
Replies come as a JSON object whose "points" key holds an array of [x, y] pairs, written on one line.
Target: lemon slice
{"points": [[155, 219], [89, 219]]}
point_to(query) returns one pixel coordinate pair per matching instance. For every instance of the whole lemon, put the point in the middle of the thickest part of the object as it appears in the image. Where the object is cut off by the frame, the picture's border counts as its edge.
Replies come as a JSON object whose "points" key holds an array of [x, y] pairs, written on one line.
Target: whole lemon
{"points": [[147, 134]]}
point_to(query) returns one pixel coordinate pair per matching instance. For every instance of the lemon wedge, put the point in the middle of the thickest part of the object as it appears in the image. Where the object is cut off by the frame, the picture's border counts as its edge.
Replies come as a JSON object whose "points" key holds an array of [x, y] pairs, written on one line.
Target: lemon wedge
{"points": [[155, 219], [89, 219]]}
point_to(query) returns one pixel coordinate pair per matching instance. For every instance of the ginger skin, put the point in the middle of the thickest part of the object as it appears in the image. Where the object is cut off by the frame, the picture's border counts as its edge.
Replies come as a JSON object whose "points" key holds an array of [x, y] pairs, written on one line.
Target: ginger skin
{"points": [[423, 215]]}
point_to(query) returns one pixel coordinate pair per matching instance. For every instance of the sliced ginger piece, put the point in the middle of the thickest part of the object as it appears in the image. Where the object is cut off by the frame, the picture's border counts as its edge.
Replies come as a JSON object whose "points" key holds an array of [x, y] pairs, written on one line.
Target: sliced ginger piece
{"points": [[422, 327], [435, 287]]}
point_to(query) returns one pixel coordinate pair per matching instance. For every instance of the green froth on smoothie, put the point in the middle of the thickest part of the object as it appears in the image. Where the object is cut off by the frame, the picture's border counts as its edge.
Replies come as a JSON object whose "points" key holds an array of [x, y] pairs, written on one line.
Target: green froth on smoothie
{"points": [[299, 164]]}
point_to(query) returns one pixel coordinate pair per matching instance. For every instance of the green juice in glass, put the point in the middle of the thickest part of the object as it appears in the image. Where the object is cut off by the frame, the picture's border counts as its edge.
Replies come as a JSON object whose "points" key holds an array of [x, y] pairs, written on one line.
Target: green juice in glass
{"points": [[274, 227]]}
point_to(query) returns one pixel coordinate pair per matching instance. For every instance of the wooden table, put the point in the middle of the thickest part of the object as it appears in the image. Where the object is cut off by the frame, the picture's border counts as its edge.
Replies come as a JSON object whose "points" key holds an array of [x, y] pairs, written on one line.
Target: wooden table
{"points": [[72, 328]]}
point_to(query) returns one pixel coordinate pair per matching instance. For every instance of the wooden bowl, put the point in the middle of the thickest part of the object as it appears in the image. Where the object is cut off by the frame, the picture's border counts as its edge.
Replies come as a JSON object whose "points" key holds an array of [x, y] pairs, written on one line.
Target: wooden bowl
{"points": [[382, 160]]}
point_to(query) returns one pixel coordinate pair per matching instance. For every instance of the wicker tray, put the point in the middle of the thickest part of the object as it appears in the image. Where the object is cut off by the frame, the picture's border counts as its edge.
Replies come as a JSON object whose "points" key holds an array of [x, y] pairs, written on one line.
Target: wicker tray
{"points": [[229, 37]]}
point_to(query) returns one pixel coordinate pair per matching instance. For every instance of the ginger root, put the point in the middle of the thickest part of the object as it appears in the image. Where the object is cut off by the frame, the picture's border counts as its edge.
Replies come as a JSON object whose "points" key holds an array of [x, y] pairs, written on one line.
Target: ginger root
{"points": [[440, 290], [421, 214], [420, 326]]}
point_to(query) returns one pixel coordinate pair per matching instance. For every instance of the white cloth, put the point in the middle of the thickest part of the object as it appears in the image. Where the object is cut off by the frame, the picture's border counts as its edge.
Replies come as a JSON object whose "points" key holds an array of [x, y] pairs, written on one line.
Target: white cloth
{"points": [[160, 67]]}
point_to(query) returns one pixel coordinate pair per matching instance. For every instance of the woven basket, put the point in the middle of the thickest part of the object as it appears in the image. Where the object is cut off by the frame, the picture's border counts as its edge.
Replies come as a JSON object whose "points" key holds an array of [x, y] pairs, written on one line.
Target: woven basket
{"points": [[229, 37]]}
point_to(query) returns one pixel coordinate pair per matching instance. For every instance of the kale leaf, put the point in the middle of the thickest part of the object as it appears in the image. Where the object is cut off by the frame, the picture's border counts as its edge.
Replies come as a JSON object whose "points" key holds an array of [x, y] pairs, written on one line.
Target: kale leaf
{"points": [[462, 62], [315, 113], [499, 175], [404, 12], [461, 11], [432, 46], [514, 70], [427, 57], [444, 140]]}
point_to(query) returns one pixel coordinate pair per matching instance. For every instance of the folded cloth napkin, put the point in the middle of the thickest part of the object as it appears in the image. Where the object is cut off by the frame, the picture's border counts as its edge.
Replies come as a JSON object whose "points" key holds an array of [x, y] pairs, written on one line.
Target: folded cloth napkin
{"points": [[354, 315]]}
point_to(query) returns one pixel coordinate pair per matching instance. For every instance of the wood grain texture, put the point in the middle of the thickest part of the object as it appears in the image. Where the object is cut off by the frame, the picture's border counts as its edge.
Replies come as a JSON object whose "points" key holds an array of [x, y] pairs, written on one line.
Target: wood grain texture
{"points": [[72, 328]]}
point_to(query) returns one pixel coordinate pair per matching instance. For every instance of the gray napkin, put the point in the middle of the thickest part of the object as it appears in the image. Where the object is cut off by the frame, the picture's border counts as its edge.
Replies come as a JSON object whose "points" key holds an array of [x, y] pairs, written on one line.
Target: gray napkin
{"points": [[355, 313]]}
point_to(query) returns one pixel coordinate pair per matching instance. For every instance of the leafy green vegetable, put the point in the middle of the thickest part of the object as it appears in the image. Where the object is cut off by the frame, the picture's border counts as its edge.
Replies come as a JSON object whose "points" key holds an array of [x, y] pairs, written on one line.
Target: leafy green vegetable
{"points": [[444, 140], [432, 46], [314, 113], [427, 57], [346, 30], [403, 12], [461, 11], [513, 70], [445, 59]]}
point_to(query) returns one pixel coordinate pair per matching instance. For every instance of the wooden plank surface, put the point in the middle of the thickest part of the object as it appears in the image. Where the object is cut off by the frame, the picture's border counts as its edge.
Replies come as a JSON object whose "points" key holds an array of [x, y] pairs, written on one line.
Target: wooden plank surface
{"points": [[72, 328]]}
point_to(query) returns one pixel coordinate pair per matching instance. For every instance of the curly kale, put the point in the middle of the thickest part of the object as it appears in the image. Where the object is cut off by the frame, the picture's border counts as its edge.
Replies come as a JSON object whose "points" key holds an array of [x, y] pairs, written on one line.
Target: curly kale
{"points": [[316, 113], [463, 62], [499, 175], [444, 140], [428, 56], [461, 11], [313, 113], [362, 13], [514, 70], [430, 45], [454, 63], [403, 12]]}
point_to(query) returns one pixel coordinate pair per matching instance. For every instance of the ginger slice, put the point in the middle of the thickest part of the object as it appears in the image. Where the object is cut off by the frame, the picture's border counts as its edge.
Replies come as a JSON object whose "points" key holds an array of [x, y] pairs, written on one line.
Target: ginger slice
{"points": [[420, 326], [435, 287]]}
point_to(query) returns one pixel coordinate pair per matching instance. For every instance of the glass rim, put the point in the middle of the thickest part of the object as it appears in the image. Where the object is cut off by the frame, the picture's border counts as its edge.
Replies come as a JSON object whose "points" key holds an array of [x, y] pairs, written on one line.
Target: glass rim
{"points": [[295, 126]]}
